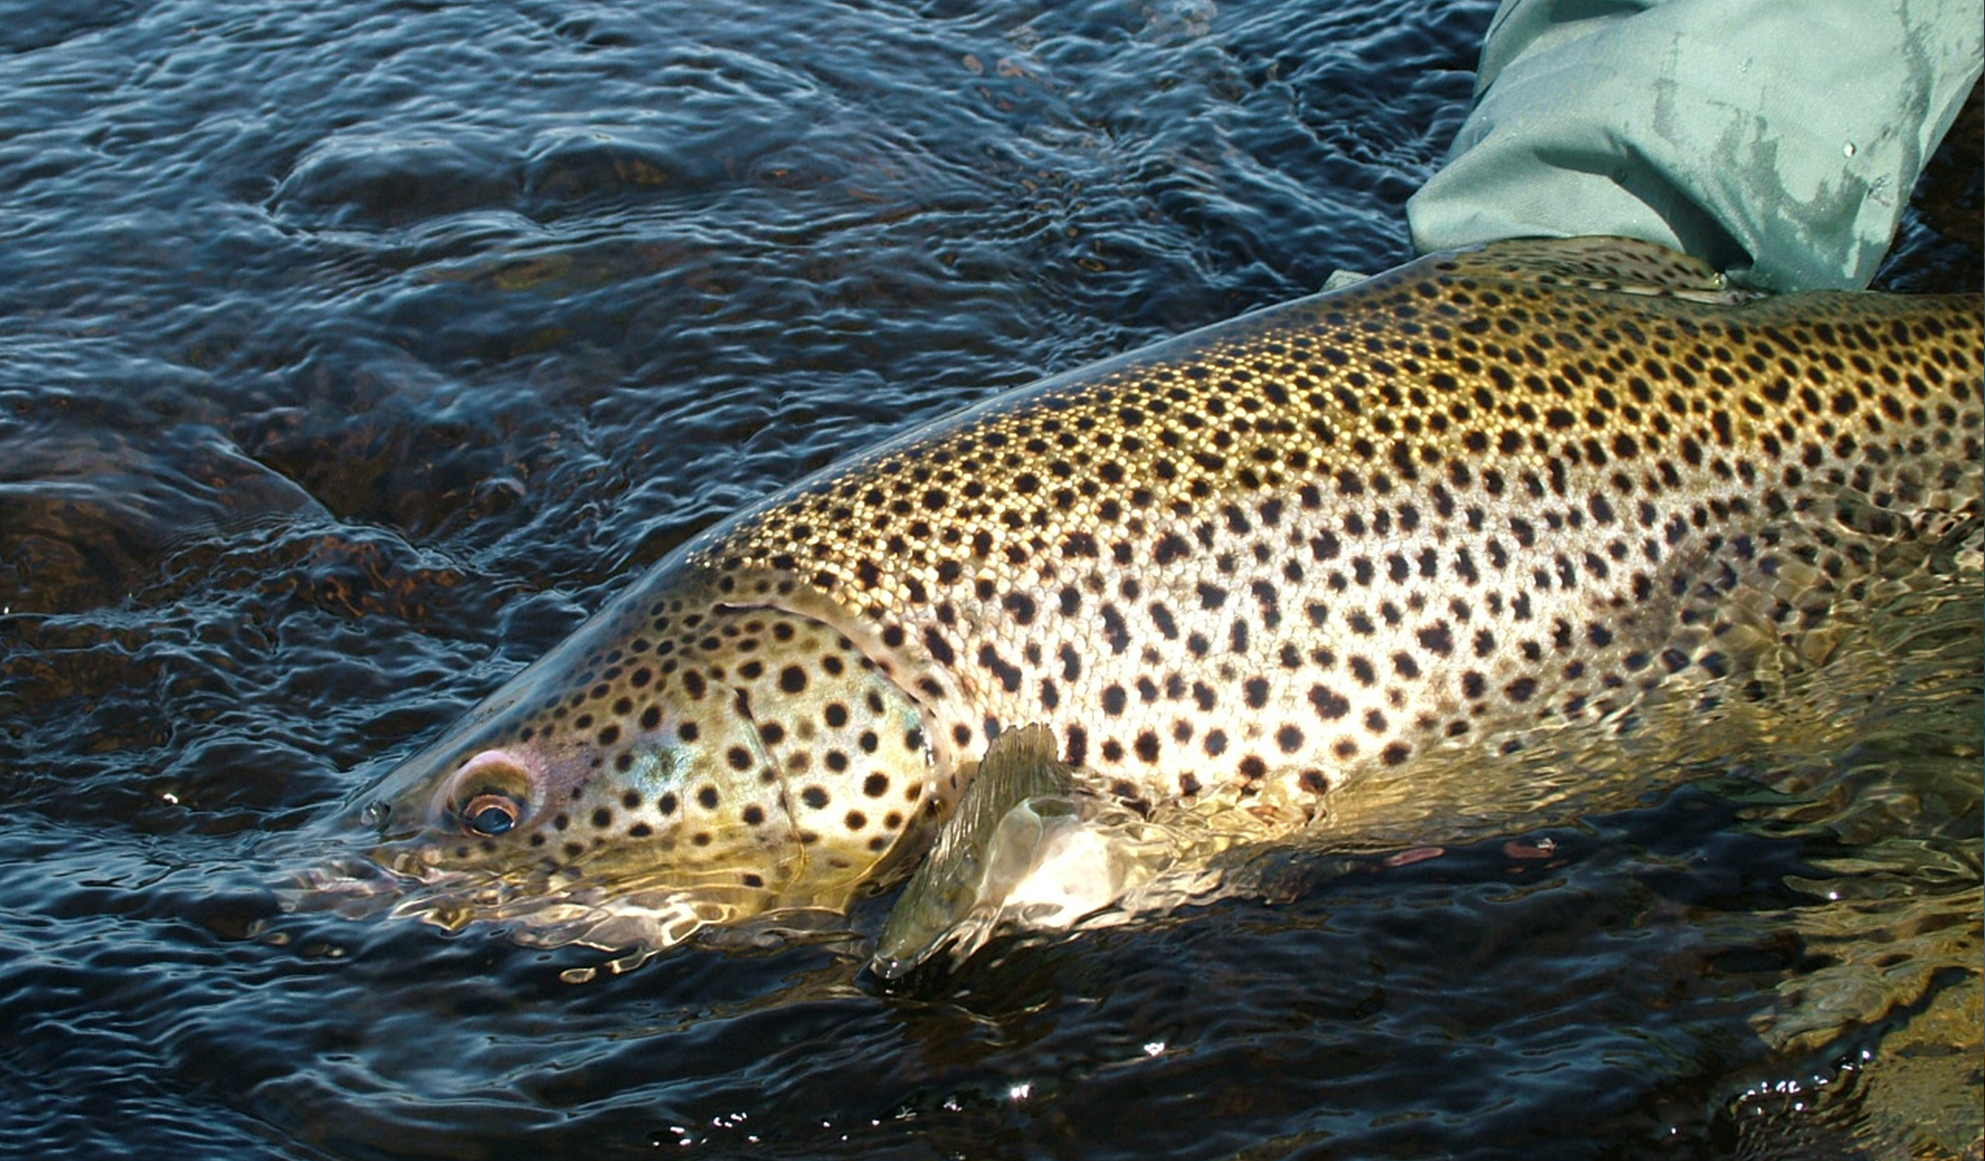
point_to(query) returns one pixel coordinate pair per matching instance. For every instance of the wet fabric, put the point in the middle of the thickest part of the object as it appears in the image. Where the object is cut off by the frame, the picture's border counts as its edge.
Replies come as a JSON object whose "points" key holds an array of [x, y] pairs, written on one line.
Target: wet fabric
{"points": [[1778, 141]]}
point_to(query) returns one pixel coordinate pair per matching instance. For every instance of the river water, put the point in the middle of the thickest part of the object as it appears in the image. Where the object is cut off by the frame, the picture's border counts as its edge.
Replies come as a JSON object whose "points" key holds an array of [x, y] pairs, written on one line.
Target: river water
{"points": [[350, 354]]}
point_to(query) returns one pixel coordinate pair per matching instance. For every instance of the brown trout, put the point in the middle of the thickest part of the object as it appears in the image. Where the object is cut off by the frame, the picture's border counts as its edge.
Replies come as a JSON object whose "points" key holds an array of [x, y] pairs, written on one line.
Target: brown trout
{"points": [[1482, 494]]}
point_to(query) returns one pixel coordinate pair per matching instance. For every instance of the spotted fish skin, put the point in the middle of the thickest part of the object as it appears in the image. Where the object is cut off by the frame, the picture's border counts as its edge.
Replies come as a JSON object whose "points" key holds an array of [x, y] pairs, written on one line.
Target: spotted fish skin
{"points": [[677, 749], [1483, 491]]}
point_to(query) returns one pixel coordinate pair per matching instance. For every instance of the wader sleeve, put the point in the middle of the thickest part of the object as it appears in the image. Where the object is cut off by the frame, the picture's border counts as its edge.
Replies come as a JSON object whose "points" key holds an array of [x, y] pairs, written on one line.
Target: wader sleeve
{"points": [[1777, 139]]}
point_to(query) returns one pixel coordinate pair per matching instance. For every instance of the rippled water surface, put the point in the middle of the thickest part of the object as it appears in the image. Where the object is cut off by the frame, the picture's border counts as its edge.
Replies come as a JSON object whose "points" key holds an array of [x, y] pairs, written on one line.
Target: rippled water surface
{"points": [[350, 353]]}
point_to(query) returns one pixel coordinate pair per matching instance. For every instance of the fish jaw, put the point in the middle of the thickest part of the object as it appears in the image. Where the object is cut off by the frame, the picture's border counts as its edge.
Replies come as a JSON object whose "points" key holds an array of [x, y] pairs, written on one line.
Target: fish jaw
{"points": [[676, 761]]}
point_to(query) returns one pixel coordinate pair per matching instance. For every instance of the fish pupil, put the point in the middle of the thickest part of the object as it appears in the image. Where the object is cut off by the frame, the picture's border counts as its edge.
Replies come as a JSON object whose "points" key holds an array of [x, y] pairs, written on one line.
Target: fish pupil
{"points": [[492, 820], [490, 815]]}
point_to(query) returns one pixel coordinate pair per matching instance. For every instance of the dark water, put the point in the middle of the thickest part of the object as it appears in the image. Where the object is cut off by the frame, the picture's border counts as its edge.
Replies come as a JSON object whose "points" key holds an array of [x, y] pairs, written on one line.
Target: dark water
{"points": [[350, 353]]}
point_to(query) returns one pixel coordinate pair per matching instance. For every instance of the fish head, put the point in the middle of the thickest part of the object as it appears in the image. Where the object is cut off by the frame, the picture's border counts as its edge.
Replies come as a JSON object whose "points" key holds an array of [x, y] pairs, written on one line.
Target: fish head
{"points": [[671, 765]]}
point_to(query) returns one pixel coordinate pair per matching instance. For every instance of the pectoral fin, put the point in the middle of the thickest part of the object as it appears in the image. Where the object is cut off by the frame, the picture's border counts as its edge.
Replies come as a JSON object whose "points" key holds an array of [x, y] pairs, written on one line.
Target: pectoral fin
{"points": [[1019, 793]]}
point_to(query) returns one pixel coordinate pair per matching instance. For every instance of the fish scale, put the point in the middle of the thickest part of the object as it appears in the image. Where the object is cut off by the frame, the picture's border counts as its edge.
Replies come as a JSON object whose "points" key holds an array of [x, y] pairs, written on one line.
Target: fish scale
{"points": [[1482, 494], [1340, 531]]}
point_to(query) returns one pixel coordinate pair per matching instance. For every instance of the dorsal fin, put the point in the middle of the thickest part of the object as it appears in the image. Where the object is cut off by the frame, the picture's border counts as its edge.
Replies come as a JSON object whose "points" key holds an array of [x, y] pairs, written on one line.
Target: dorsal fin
{"points": [[1624, 265]]}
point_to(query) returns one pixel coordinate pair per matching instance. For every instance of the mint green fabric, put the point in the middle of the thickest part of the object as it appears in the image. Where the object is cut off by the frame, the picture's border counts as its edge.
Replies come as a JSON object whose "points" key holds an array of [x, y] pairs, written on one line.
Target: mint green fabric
{"points": [[1777, 139]]}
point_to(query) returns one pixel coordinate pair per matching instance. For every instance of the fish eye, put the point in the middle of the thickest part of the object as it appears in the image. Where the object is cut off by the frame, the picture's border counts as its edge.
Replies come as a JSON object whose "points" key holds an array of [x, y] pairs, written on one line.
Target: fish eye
{"points": [[491, 793], [491, 814]]}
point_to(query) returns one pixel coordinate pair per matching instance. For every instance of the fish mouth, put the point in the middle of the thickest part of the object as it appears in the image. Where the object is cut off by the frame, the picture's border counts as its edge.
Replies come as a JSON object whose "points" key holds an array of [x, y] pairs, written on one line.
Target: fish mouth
{"points": [[635, 914]]}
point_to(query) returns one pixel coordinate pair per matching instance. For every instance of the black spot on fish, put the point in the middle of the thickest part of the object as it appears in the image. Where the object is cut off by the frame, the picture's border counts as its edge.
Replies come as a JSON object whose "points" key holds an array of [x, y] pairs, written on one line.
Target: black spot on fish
{"points": [[1329, 705], [1009, 675], [1114, 630]]}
